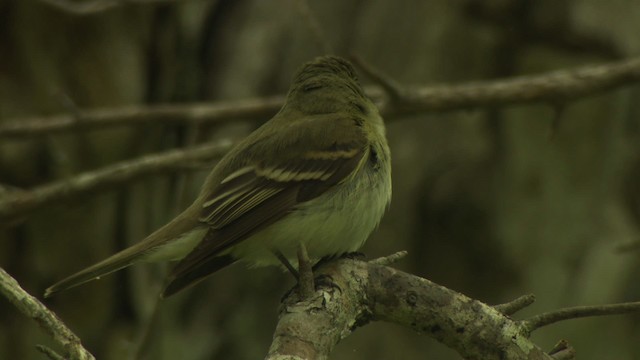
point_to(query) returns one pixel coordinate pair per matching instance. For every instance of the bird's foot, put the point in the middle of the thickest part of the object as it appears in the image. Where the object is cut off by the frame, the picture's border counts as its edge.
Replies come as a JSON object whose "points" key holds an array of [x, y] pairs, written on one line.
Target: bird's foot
{"points": [[306, 286]]}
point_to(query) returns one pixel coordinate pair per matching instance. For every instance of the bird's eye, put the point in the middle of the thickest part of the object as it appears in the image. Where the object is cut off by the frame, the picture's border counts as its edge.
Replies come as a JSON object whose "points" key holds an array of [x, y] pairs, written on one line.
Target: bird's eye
{"points": [[311, 86]]}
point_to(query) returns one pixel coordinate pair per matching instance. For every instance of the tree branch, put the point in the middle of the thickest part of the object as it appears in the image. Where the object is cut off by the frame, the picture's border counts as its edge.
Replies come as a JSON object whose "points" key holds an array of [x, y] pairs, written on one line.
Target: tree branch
{"points": [[258, 108], [48, 321], [554, 87], [563, 351], [390, 259], [49, 353], [361, 292], [18, 203], [516, 305], [552, 317]]}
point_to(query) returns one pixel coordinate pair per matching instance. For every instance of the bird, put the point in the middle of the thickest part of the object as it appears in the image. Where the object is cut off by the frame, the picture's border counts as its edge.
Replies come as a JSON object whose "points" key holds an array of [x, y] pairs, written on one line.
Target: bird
{"points": [[318, 173]]}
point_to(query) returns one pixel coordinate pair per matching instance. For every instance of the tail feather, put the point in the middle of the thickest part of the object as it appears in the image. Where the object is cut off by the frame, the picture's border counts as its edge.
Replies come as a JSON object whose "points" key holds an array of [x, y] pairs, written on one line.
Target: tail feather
{"points": [[176, 283], [114, 263], [183, 223]]}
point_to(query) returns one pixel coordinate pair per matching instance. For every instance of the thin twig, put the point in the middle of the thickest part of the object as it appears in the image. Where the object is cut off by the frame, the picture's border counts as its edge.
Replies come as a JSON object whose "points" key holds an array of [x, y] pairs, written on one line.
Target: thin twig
{"points": [[516, 305], [48, 321], [563, 351], [18, 203], [552, 317], [555, 87], [49, 352], [216, 113], [391, 259], [566, 354]]}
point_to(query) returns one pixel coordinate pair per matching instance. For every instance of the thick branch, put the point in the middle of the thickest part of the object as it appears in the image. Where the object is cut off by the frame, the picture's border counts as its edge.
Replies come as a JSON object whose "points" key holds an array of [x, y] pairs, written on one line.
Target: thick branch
{"points": [[47, 320], [18, 203], [554, 87], [361, 292]]}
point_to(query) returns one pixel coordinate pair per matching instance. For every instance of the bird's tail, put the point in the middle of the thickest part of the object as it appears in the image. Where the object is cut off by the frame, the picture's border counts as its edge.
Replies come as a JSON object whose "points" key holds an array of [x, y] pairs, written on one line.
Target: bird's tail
{"points": [[151, 245], [113, 263]]}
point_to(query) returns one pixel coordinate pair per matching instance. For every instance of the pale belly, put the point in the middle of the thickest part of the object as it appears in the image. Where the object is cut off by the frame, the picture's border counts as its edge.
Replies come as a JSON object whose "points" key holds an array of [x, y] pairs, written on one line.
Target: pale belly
{"points": [[337, 222]]}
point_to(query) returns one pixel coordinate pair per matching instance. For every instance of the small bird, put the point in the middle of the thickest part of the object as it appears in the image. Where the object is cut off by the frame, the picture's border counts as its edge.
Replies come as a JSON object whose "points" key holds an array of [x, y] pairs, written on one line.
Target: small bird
{"points": [[318, 174]]}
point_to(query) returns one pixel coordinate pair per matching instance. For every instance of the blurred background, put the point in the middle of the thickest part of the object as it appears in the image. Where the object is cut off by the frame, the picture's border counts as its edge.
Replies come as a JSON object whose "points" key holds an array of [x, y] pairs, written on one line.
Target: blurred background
{"points": [[493, 203]]}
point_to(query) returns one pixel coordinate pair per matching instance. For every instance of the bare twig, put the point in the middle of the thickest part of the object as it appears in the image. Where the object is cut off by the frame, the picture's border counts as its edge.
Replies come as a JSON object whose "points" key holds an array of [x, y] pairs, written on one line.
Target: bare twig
{"points": [[259, 108], [49, 352], [552, 317], [555, 87], [18, 203], [563, 351], [391, 259], [48, 321], [516, 305]]}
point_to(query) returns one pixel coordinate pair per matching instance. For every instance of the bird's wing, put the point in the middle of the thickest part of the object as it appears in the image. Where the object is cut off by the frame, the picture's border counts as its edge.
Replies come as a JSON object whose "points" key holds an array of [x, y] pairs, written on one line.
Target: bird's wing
{"points": [[263, 191]]}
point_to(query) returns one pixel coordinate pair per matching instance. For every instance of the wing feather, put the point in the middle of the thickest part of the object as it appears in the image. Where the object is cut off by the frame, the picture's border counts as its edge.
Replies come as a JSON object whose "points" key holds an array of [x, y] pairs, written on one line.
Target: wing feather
{"points": [[261, 192]]}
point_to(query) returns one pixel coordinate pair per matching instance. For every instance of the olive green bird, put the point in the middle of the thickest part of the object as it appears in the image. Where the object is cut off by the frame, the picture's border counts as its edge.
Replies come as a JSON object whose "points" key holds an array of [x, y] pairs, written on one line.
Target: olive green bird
{"points": [[318, 174]]}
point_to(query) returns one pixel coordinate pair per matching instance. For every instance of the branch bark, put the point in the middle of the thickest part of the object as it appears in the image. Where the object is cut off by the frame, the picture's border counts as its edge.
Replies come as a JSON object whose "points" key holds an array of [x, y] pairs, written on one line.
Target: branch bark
{"points": [[209, 114], [555, 88], [18, 203], [360, 292], [516, 305], [553, 317], [48, 321]]}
